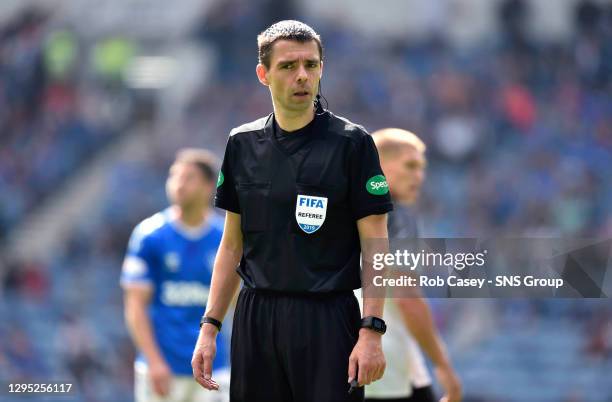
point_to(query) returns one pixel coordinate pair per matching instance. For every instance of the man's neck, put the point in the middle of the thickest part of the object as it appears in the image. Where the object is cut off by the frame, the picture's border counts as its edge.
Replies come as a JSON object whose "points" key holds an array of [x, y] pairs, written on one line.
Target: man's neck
{"points": [[407, 204], [191, 217], [291, 121], [403, 202]]}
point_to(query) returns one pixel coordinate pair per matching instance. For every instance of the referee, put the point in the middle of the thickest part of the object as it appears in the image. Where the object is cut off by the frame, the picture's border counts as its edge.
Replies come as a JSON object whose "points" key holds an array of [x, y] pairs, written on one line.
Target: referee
{"points": [[303, 190]]}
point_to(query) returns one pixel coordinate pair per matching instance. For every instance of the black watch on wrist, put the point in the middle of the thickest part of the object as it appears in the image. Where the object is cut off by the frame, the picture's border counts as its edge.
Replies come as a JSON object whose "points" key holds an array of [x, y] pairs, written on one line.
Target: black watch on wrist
{"points": [[210, 320], [375, 324]]}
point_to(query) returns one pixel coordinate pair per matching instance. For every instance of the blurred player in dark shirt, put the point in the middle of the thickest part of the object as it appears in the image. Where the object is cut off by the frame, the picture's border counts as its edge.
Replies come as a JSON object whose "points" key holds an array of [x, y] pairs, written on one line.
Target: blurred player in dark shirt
{"points": [[410, 324]]}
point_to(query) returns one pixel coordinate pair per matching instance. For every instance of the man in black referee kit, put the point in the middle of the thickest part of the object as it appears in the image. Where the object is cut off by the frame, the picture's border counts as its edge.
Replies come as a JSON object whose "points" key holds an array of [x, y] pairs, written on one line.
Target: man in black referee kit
{"points": [[303, 190]]}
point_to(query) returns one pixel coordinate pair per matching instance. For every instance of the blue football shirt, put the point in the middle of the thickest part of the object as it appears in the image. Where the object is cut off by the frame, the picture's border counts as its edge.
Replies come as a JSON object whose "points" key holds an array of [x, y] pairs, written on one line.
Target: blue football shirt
{"points": [[177, 262]]}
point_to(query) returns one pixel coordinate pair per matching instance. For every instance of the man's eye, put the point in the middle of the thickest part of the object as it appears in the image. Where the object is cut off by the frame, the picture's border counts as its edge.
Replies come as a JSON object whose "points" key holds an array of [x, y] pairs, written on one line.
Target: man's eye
{"points": [[312, 65]]}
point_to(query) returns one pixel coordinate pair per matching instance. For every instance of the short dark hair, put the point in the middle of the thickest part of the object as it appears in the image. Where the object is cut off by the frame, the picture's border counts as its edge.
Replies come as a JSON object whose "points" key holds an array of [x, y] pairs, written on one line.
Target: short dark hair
{"points": [[288, 30], [205, 161]]}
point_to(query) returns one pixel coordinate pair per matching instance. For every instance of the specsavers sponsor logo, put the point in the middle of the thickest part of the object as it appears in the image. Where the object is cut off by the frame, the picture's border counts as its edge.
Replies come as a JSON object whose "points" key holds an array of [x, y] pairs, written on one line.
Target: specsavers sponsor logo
{"points": [[220, 179], [377, 185], [184, 293]]}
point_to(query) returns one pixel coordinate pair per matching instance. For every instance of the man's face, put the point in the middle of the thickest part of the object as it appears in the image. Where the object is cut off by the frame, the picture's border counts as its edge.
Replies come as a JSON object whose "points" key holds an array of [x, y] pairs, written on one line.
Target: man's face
{"points": [[294, 74], [186, 186], [405, 173]]}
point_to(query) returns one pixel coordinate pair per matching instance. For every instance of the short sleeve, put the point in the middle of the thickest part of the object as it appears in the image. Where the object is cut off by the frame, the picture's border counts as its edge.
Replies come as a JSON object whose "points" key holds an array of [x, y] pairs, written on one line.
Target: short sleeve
{"points": [[226, 197], [369, 194], [138, 262]]}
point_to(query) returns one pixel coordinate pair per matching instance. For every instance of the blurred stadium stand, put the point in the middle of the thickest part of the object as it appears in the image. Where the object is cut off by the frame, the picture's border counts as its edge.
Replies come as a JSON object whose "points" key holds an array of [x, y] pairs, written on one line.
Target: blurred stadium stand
{"points": [[512, 98]]}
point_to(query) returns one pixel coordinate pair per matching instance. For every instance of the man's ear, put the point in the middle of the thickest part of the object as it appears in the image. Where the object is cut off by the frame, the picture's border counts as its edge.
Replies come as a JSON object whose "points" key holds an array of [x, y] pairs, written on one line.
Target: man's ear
{"points": [[261, 71], [321, 75]]}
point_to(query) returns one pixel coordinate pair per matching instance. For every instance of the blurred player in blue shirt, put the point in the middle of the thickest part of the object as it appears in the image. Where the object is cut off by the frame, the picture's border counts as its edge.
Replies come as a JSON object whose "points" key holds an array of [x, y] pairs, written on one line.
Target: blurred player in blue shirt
{"points": [[166, 277]]}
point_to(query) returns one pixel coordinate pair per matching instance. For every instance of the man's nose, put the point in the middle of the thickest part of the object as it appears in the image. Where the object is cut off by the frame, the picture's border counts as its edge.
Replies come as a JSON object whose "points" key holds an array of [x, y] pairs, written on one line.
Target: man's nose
{"points": [[302, 74]]}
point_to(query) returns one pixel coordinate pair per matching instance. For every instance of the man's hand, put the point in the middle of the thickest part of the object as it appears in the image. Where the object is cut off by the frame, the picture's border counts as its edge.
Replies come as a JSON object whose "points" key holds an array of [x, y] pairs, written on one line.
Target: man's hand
{"points": [[450, 383], [160, 375], [203, 356], [367, 360]]}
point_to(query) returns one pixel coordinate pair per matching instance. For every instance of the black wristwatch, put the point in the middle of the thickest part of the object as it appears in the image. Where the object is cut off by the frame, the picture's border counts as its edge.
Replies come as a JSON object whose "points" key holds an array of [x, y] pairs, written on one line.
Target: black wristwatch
{"points": [[210, 320], [375, 324]]}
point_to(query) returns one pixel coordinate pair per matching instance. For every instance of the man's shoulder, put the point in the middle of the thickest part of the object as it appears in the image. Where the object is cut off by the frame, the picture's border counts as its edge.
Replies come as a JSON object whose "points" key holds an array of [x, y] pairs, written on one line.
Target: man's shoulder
{"points": [[342, 126], [146, 231], [253, 126], [402, 222], [152, 225]]}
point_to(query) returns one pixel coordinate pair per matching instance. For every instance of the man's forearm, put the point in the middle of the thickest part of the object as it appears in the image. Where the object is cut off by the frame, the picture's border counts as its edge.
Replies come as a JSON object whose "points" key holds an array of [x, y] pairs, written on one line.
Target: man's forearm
{"points": [[423, 329], [373, 307], [373, 240], [141, 331], [225, 281]]}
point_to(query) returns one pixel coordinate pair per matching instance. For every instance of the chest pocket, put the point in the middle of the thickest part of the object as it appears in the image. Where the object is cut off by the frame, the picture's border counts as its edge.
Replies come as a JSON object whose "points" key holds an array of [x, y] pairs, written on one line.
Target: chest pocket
{"points": [[253, 198]]}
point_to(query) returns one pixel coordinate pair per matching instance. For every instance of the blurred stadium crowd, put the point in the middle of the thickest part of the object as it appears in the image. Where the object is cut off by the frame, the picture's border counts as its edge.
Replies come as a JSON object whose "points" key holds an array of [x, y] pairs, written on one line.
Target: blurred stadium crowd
{"points": [[519, 135]]}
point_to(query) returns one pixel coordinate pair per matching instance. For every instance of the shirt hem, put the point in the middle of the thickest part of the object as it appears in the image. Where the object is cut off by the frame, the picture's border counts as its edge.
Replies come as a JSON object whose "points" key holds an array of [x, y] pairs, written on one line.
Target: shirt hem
{"points": [[378, 209], [223, 205]]}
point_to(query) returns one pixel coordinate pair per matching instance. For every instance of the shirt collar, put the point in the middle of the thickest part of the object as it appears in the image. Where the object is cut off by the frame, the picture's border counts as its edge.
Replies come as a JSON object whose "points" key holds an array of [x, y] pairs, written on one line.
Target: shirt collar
{"points": [[189, 232]]}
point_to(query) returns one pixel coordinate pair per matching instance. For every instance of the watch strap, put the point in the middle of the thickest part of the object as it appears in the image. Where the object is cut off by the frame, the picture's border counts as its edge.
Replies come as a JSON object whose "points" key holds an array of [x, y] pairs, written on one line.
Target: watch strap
{"points": [[210, 320], [374, 323]]}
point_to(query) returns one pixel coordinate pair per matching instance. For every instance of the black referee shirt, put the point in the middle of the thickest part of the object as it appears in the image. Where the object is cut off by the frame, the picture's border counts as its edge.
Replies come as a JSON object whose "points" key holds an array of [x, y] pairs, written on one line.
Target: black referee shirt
{"points": [[299, 199]]}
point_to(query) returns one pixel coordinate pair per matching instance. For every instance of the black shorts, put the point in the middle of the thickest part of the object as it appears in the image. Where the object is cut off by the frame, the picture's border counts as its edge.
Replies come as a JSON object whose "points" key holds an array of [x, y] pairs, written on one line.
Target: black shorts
{"points": [[423, 394], [293, 348]]}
